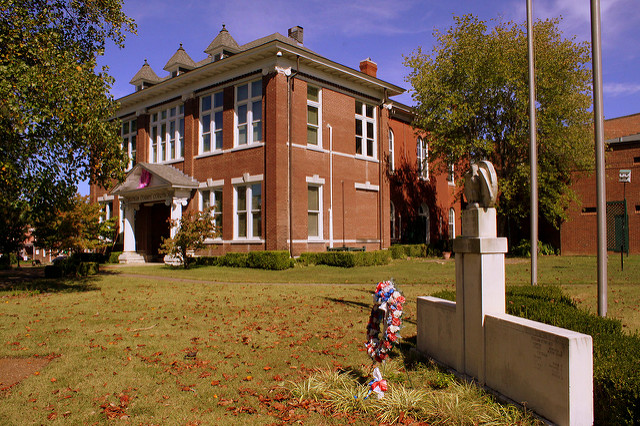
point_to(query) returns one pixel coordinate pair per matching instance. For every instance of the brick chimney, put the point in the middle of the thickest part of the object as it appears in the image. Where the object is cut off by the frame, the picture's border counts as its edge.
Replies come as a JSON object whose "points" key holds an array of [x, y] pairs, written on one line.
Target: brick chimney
{"points": [[296, 33], [369, 67]]}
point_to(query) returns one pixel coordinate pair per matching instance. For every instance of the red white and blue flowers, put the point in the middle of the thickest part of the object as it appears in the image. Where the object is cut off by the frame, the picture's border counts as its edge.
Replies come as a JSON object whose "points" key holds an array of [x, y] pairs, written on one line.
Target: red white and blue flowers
{"points": [[387, 310]]}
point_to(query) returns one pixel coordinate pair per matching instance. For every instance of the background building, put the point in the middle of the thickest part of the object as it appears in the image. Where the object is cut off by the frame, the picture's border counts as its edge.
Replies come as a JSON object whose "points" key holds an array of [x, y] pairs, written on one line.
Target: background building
{"points": [[579, 234]]}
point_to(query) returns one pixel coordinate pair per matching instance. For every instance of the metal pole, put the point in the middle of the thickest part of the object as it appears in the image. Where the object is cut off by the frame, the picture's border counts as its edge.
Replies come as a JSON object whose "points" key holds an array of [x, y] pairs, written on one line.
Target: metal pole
{"points": [[600, 166], [533, 149]]}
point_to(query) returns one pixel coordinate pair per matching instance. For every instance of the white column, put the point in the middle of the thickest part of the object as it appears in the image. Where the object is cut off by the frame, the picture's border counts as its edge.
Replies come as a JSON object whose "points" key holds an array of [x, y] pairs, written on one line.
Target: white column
{"points": [[129, 254], [480, 283]]}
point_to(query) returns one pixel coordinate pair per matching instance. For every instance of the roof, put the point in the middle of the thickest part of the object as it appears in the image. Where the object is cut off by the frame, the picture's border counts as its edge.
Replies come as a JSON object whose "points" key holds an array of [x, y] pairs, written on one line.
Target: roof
{"points": [[180, 59], [145, 73], [222, 41], [159, 176]]}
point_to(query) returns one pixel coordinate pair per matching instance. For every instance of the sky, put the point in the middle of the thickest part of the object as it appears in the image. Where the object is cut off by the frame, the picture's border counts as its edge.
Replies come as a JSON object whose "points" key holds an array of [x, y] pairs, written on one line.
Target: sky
{"points": [[350, 31]]}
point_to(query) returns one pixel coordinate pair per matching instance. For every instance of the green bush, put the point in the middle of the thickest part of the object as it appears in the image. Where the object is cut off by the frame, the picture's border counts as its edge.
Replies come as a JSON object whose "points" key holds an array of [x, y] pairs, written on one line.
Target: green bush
{"points": [[401, 251], [616, 377], [113, 257], [205, 260], [523, 249], [235, 260], [272, 260], [72, 266], [397, 251], [346, 259]]}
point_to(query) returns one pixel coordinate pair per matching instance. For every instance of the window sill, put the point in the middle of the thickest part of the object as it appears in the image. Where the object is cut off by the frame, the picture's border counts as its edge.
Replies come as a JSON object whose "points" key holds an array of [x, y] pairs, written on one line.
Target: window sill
{"points": [[243, 147], [170, 162], [247, 241], [366, 158], [317, 148], [209, 154]]}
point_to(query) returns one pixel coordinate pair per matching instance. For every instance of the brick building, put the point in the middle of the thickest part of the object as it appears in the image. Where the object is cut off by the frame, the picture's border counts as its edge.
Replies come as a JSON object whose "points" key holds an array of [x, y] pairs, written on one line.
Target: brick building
{"points": [[579, 234], [215, 133]]}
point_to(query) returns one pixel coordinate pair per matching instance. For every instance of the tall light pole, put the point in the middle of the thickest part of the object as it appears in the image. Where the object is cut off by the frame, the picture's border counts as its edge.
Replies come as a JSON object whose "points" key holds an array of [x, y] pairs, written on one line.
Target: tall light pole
{"points": [[596, 57], [533, 148]]}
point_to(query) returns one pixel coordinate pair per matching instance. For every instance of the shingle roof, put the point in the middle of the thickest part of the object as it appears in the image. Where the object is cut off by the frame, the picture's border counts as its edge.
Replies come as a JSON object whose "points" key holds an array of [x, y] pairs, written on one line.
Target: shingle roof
{"points": [[145, 73], [172, 175], [222, 40], [180, 59]]}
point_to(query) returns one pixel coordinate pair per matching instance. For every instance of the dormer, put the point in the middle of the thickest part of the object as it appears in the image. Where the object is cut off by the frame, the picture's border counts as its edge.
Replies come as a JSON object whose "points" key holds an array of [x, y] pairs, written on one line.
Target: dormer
{"points": [[179, 63], [145, 77], [222, 46]]}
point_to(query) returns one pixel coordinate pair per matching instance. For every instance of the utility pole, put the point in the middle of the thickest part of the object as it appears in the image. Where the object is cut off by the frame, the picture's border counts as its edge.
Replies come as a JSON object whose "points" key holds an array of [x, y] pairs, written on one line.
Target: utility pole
{"points": [[533, 148]]}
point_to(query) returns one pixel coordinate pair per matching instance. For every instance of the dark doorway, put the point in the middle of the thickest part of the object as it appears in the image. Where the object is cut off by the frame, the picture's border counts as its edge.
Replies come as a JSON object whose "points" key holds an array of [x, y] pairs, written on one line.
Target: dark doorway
{"points": [[152, 225]]}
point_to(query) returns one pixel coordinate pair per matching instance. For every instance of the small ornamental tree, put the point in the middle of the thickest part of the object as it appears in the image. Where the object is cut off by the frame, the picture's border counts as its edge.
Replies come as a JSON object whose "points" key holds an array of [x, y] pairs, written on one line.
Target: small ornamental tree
{"points": [[193, 230]]}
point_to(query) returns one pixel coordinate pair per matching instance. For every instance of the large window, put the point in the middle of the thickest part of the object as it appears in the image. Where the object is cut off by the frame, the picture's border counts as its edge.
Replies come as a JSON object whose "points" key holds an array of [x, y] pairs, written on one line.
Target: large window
{"points": [[451, 174], [365, 130], [211, 122], [248, 211], [249, 113], [129, 134], [314, 119], [424, 214], [392, 219], [392, 158], [212, 199], [167, 135], [314, 211], [423, 158]]}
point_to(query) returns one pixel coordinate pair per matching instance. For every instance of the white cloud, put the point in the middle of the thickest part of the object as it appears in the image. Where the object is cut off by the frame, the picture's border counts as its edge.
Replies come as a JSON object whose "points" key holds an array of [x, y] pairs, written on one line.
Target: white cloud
{"points": [[617, 89]]}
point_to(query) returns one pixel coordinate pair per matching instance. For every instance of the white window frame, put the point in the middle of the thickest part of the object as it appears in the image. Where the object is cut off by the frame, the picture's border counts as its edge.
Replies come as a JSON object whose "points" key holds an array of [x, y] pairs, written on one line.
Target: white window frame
{"points": [[318, 106], [251, 121], [129, 133], [250, 210], [392, 158], [392, 220], [215, 126], [422, 153], [213, 195], [162, 136], [452, 223], [451, 177], [365, 118], [317, 212]]}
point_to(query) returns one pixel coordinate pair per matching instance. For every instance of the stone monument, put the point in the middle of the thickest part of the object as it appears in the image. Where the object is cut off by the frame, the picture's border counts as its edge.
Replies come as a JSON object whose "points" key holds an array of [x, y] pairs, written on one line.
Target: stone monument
{"points": [[547, 368]]}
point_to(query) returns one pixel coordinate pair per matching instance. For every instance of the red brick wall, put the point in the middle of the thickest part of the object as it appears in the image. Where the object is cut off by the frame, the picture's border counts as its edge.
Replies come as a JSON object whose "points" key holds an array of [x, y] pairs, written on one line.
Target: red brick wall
{"points": [[579, 233]]}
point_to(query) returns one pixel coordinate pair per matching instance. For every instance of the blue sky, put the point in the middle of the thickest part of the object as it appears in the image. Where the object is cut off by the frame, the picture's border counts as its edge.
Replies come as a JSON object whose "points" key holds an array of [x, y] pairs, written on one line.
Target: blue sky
{"points": [[349, 31]]}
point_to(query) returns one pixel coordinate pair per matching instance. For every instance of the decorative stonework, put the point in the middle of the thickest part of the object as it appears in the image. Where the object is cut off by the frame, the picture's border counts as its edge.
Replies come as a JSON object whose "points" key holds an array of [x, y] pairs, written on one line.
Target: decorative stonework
{"points": [[481, 185]]}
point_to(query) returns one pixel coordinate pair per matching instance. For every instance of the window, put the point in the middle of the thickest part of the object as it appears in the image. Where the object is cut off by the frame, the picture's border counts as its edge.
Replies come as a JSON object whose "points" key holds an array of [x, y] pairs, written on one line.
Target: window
{"points": [[107, 211], [424, 213], [365, 130], [314, 211], [249, 113], [211, 122], [451, 174], [167, 135], [129, 134], [392, 166], [636, 160], [212, 199], [314, 120], [248, 211], [423, 158], [589, 210], [452, 223]]}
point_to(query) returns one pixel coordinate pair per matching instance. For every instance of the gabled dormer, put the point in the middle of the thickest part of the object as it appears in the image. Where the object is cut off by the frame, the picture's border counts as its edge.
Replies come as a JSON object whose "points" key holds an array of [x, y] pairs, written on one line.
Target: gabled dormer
{"points": [[222, 46], [145, 77], [179, 63]]}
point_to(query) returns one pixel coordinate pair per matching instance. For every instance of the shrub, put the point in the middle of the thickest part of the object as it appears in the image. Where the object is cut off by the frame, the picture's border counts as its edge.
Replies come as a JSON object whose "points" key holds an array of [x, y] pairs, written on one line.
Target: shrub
{"points": [[523, 249], [346, 259], [616, 378], [397, 251], [113, 257], [236, 260], [206, 261], [272, 260]]}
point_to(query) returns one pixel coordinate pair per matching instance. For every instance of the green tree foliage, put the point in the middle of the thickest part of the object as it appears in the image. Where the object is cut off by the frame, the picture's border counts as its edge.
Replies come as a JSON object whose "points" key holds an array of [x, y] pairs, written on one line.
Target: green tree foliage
{"points": [[54, 117], [193, 230], [76, 228], [472, 98]]}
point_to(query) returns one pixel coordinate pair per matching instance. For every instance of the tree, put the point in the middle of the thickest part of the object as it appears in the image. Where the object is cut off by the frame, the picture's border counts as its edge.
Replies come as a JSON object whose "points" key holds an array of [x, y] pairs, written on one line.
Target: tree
{"points": [[54, 118], [472, 98], [193, 230], [76, 229]]}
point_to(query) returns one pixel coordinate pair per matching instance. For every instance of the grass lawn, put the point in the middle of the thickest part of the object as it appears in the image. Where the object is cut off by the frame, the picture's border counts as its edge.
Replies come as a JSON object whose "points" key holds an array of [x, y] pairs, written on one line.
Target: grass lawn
{"points": [[122, 344]]}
